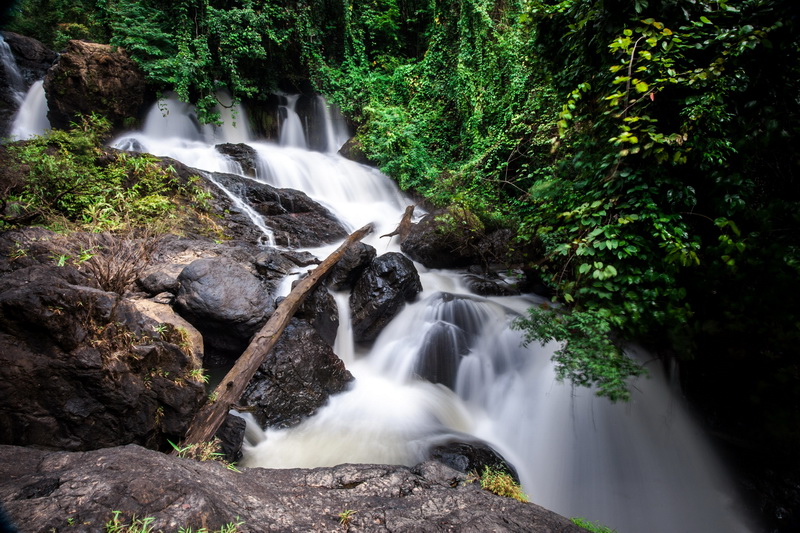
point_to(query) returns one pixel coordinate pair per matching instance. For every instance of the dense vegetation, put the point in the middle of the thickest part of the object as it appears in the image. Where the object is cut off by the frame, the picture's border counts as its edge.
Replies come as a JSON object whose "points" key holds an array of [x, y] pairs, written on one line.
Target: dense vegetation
{"points": [[646, 148]]}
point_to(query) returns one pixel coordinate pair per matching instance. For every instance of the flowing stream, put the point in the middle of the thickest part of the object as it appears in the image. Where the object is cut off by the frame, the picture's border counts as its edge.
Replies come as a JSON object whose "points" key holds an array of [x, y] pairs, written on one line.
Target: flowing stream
{"points": [[643, 466]]}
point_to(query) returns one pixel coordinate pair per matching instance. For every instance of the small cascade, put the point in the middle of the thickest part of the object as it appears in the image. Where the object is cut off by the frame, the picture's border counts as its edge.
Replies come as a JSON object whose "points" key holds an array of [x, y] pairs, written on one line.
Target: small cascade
{"points": [[247, 209], [13, 75], [336, 131], [31, 117], [292, 132]]}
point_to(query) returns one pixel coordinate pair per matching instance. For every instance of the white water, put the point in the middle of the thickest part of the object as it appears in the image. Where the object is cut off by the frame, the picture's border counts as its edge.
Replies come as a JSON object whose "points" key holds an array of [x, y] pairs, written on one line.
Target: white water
{"points": [[13, 75], [644, 466], [31, 116], [292, 132]]}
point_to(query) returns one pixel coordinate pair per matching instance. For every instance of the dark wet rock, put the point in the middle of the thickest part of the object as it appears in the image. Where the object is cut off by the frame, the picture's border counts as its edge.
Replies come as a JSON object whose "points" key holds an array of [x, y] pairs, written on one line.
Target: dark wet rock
{"points": [[487, 285], [437, 242], [320, 310], [225, 301], [296, 219], [296, 378], [79, 491], [350, 267], [242, 154], [273, 263], [231, 437], [384, 287], [90, 77], [81, 368], [471, 457], [301, 258]]}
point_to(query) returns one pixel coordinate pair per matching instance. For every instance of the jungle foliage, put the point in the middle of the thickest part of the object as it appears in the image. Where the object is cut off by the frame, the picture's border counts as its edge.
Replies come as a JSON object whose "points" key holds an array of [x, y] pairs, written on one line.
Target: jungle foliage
{"points": [[647, 147]]}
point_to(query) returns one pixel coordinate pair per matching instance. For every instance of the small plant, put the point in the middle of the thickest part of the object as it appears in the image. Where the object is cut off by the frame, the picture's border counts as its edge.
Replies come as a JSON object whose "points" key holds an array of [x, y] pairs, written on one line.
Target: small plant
{"points": [[594, 527], [501, 483], [204, 451], [17, 252], [137, 525], [345, 517], [198, 374]]}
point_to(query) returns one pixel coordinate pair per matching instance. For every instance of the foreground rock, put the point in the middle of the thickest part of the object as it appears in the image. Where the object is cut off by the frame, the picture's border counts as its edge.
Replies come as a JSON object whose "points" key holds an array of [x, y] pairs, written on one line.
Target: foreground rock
{"points": [[81, 368], [78, 492]]}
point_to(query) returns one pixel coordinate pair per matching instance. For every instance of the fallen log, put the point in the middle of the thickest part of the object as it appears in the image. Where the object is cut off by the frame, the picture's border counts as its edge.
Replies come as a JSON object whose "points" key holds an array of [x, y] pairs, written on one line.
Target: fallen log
{"points": [[206, 422]]}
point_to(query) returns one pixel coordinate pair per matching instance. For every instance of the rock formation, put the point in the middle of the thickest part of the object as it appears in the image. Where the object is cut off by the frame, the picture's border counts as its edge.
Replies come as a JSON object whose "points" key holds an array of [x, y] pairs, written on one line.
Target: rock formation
{"points": [[80, 492], [91, 77]]}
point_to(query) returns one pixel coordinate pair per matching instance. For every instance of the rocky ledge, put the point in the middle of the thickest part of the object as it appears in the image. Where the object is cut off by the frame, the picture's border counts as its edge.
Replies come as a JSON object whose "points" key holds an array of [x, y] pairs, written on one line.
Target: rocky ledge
{"points": [[80, 491]]}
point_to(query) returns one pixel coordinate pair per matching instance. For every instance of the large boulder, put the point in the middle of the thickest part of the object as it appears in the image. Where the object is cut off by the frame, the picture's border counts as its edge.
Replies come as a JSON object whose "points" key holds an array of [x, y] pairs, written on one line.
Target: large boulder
{"points": [[296, 378], [444, 239], [225, 301], [384, 287], [57, 491], [91, 77], [81, 368]]}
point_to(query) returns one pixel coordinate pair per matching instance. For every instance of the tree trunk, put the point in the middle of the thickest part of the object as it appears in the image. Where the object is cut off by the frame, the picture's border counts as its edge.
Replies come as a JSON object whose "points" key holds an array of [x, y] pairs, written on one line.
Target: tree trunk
{"points": [[211, 415]]}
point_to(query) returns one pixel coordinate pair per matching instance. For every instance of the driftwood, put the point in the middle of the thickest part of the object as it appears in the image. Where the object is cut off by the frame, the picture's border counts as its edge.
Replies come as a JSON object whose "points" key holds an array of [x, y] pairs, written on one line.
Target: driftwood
{"points": [[404, 227], [211, 415]]}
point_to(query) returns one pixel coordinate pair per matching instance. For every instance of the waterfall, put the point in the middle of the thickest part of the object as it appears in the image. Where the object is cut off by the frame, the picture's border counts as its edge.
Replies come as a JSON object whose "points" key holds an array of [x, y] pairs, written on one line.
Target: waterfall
{"points": [[31, 117], [336, 132], [292, 132], [13, 75], [449, 366]]}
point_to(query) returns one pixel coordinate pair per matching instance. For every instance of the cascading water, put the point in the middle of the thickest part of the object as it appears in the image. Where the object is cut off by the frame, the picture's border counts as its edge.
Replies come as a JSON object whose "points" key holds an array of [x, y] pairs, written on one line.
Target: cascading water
{"points": [[292, 132], [449, 366], [13, 75], [30, 118]]}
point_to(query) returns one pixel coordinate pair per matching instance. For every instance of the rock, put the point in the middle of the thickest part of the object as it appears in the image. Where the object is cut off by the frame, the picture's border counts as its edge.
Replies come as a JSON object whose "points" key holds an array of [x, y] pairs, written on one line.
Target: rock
{"points": [[242, 154], [296, 378], [296, 219], [354, 151], [380, 293], [162, 280], [350, 267], [223, 300], [91, 77], [81, 368], [471, 457], [164, 315], [320, 310], [231, 437], [484, 286], [438, 240], [58, 491]]}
